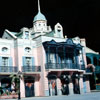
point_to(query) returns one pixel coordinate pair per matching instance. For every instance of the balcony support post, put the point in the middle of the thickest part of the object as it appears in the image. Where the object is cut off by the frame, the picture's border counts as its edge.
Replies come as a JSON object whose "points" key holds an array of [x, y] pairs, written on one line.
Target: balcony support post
{"points": [[64, 55]]}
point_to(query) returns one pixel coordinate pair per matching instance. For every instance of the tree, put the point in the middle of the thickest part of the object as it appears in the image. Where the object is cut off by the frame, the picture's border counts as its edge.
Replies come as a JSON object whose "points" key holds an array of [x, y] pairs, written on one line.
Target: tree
{"points": [[15, 80]]}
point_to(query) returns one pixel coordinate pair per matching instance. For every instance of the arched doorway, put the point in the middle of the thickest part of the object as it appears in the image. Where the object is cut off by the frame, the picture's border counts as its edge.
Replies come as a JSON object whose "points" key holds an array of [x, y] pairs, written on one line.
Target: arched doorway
{"points": [[91, 69], [6, 85], [52, 84], [76, 86], [29, 86], [65, 83]]}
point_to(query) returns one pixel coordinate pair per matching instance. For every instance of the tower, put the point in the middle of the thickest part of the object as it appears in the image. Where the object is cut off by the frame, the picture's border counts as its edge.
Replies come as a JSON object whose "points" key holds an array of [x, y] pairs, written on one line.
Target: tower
{"points": [[39, 22]]}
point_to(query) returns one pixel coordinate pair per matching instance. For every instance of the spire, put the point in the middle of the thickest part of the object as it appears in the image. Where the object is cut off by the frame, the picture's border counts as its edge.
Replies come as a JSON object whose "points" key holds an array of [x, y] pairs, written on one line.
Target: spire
{"points": [[39, 15], [39, 6]]}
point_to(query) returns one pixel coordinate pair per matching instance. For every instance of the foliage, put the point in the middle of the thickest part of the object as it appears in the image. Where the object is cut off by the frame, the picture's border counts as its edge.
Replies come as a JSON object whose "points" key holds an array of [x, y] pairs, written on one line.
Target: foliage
{"points": [[15, 79], [1, 90]]}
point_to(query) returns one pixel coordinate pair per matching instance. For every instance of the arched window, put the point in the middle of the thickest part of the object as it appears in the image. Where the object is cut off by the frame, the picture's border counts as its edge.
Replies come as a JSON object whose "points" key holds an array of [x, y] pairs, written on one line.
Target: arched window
{"points": [[4, 49], [27, 49], [88, 60], [95, 61]]}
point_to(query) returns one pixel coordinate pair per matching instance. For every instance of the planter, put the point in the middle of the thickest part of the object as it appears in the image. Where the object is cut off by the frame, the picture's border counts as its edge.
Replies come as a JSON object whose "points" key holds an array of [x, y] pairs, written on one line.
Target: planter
{"points": [[9, 96]]}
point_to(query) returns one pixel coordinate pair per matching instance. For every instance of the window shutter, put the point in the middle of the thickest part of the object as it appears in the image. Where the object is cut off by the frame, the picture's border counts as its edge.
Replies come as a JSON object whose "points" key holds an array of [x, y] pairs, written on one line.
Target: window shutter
{"points": [[33, 63], [24, 62], [10, 66], [10, 61]]}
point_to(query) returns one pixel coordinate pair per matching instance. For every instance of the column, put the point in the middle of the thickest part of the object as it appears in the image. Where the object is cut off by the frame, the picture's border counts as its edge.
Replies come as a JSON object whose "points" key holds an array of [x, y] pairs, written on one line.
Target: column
{"points": [[46, 87], [22, 87], [83, 62], [71, 92], [36, 86], [58, 86], [64, 58], [87, 85], [81, 84], [0, 83], [75, 59], [71, 88], [48, 55]]}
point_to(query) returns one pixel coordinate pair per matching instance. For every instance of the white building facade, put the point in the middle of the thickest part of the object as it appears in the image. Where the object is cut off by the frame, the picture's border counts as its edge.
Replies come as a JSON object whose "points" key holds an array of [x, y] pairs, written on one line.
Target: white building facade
{"points": [[50, 63]]}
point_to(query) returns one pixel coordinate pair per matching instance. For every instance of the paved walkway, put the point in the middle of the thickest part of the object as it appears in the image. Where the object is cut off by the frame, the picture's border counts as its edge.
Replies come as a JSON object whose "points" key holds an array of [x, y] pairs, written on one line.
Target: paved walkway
{"points": [[86, 96]]}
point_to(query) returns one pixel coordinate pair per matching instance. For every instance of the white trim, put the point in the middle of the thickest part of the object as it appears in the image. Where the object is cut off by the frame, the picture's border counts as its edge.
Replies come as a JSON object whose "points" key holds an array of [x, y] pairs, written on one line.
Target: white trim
{"points": [[10, 34]]}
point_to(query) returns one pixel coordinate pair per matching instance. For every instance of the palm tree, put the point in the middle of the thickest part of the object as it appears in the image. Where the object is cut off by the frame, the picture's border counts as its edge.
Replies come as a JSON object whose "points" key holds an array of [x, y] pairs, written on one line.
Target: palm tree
{"points": [[15, 80]]}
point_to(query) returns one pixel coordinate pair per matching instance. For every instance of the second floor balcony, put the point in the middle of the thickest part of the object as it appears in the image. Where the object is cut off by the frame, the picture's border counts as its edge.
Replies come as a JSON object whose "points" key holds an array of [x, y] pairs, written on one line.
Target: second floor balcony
{"points": [[31, 69], [64, 66], [8, 69]]}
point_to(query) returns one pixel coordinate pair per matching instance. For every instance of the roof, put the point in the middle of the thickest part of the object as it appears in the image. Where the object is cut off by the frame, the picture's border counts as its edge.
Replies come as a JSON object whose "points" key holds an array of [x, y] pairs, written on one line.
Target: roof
{"points": [[88, 50], [39, 16]]}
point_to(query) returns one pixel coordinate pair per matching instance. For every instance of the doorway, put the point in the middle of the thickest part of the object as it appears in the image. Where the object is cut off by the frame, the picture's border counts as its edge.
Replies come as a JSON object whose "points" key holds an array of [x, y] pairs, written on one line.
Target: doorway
{"points": [[29, 87], [52, 87]]}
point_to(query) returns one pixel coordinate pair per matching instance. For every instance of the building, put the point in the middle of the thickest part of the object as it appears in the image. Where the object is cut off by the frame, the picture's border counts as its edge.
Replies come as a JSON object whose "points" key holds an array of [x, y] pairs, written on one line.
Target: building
{"points": [[93, 68], [50, 63]]}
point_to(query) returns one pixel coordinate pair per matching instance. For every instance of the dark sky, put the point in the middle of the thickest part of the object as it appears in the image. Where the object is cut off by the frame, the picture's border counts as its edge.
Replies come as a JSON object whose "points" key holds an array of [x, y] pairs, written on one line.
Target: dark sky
{"points": [[78, 17]]}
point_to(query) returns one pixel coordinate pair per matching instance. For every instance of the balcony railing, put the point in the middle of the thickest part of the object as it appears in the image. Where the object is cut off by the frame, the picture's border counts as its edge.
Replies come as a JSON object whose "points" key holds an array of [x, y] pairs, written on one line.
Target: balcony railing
{"points": [[8, 69], [31, 69], [64, 66], [97, 69]]}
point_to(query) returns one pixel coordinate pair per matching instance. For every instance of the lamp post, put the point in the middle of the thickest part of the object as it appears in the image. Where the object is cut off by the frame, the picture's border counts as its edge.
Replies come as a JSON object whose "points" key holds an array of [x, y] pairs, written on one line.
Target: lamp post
{"points": [[19, 76]]}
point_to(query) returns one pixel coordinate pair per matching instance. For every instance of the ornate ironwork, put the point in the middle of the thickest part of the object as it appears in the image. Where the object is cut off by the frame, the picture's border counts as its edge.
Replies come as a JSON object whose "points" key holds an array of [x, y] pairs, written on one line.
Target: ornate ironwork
{"points": [[31, 69], [8, 69], [64, 66]]}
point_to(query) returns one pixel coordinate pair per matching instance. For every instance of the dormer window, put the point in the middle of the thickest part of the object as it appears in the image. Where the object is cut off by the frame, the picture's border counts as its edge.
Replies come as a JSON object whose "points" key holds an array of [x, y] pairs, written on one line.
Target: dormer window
{"points": [[27, 49], [26, 35], [4, 49], [59, 30]]}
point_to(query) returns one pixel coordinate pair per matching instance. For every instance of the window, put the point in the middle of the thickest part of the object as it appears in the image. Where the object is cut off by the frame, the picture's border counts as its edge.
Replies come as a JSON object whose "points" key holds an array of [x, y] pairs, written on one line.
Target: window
{"points": [[59, 30], [88, 60], [27, 49], [4, 49], [95, 61], [4, 61], [52, 58], [28, 61], [26, 35]]}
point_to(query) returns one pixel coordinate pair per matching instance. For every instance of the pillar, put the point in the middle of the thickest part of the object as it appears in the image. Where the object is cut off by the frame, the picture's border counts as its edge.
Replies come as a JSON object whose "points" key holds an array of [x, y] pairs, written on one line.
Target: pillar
{"points": [[58, 86], [88, 85], [36, 86], [81, 84], [46, 87], [0, 83], [71, 88], [22, 87]]}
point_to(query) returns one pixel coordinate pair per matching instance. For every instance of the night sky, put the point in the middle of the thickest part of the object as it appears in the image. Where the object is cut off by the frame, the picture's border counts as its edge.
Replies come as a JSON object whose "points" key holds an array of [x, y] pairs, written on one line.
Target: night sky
{"points": [[78, 17]]}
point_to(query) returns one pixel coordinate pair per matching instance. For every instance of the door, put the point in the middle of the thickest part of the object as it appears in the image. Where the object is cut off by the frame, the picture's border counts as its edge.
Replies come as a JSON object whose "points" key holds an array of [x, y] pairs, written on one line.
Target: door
{"points": [[52, 87], [29, 87]]}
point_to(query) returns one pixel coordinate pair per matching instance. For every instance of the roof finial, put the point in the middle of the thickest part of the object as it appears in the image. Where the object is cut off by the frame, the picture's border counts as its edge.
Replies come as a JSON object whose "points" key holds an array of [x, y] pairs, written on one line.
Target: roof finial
{"points": [[38, 5]]}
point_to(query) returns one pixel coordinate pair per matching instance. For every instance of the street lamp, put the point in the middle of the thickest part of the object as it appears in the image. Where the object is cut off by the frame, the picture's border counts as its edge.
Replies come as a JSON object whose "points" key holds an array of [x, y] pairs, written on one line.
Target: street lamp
{"points": [[19, 76]]}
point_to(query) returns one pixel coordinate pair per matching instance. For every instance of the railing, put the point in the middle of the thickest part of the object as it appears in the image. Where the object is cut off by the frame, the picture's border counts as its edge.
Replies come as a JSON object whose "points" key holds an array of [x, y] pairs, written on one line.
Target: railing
{"points": [[64, 66], [31, 69], [8, 69], [97, 69]]}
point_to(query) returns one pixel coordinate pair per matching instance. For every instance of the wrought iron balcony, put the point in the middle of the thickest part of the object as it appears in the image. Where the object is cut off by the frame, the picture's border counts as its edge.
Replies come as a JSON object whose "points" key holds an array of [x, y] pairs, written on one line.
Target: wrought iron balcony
{"points": [[8, 69], [64, 66], [97, 69], [31, 69]]}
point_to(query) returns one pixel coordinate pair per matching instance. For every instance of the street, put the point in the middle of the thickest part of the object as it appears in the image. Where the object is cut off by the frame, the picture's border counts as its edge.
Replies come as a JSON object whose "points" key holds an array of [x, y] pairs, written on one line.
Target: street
{"points": [[86, 96]]}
